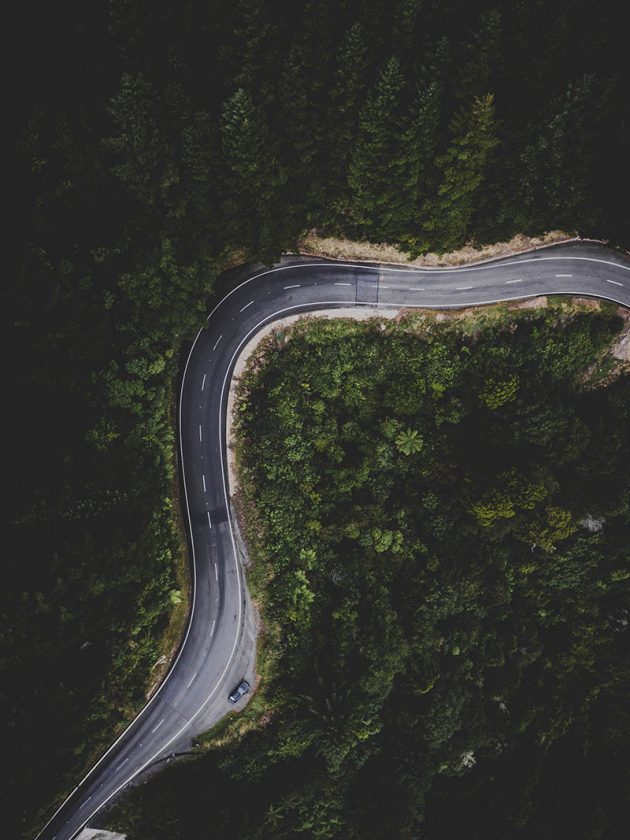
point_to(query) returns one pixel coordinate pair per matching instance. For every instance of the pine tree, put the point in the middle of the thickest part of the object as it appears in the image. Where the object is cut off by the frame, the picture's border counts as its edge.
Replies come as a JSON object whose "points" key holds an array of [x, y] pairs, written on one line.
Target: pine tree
{"points": [[251, 47], [405, 23], [245, 141], [255, 215], [303, 104], [461, 168], [140, 150], [481, 55], [370, 170], [199, 151], [346, 94], [557, 163], [412, 166]]}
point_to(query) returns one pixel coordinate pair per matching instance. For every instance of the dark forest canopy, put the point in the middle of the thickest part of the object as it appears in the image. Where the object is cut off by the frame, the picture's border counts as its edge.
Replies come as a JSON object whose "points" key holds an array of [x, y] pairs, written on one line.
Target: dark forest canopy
{"points": [[235, 124], [147, 143]]}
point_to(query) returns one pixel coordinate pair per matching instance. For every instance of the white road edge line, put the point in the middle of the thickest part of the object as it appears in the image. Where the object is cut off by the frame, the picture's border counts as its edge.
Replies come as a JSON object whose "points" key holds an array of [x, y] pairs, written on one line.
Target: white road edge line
{"points": [[193, 589]]}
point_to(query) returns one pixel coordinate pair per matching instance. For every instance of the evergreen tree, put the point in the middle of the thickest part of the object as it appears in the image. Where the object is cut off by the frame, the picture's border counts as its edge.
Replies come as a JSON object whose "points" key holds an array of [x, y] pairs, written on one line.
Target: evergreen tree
{"points": [[346, 94], [370, 173], [412, 166], [303, 105], [250, 47], [199, 145], [480, 56], [245, 141], [557, 164], [140, 151], [405, 23], [252, 203], [461, 168]]}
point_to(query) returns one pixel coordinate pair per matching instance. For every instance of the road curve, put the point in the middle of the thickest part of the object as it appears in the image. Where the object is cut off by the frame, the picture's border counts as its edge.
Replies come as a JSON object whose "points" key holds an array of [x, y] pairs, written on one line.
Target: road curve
{"points": [[219, 644]]}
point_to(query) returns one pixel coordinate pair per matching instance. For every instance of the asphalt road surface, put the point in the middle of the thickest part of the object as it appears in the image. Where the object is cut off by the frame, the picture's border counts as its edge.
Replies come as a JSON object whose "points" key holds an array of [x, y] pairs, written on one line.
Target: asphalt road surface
{"points": [[219, 645]]}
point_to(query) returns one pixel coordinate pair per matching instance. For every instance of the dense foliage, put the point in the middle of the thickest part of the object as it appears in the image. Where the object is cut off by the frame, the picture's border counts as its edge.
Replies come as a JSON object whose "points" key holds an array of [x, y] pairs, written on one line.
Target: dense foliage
{"points": [[144, 144], [438, 513]]}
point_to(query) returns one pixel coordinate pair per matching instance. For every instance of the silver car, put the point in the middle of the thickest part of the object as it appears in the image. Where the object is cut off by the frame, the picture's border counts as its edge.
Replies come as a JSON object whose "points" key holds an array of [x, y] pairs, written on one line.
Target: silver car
{"points": [[241, 689]]}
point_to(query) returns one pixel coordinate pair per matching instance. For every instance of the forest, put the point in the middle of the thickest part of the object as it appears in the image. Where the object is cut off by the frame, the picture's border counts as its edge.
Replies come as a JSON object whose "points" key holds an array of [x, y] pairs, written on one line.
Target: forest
{"points": [[148, 146], [437, 513]]}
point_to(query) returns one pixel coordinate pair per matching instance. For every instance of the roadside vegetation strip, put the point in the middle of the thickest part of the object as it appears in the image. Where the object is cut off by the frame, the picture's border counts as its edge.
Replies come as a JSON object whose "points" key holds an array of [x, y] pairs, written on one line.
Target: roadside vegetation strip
{"points": [[429, 502], [314, 244]]}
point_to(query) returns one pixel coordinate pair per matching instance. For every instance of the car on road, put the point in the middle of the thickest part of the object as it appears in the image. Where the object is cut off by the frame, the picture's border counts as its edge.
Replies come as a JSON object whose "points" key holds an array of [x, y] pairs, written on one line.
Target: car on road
{"points": [[241, 689]]}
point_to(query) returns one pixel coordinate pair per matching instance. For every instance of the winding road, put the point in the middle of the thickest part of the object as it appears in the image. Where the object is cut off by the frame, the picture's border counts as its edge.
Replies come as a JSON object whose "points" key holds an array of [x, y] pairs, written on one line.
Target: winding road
{"points": [[219, 645]]}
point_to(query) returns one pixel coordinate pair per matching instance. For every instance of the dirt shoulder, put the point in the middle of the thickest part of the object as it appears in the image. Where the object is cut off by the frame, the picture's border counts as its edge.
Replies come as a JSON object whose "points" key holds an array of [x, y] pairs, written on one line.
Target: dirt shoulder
{"points": [[332, 247]]}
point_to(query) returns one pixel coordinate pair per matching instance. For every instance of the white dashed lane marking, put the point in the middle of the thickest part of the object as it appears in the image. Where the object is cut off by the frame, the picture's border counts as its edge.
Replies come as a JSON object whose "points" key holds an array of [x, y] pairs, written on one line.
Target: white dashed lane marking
{"points": [[462, 288], [343, 284], [203, 381], [246, 305], [614, 282], [564, 275], [85, 802], [200, 433], [520, 280], [296, 286], [416, 289], [204, 483], [209, 520], [192, 679], [155, 728], [218, 340]]}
